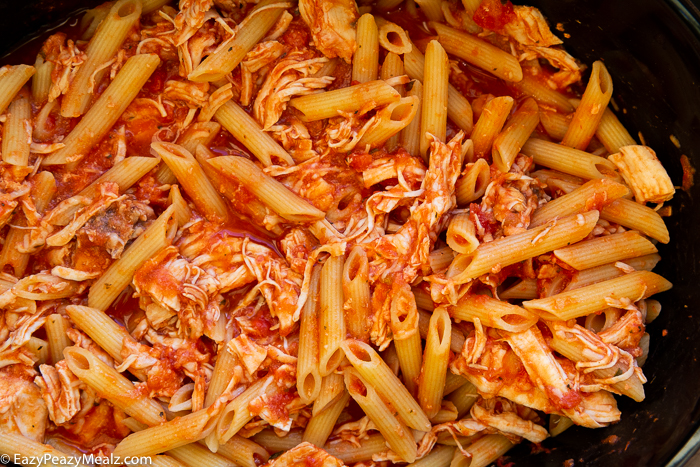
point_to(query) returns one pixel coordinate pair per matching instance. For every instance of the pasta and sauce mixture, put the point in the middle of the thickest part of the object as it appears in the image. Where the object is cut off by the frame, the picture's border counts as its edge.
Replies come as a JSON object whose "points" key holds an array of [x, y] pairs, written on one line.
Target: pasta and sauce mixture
{"points": [[398, 233]]}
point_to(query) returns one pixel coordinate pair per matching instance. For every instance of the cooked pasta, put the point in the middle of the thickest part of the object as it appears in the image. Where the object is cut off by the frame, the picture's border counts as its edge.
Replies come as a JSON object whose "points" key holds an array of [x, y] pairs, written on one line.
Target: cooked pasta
{"points": [[240, 233]]}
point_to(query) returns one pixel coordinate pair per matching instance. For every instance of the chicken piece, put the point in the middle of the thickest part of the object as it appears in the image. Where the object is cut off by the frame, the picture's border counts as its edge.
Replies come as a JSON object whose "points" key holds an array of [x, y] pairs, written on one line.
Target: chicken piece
{"points": [[22, 409], [529, 28], [626, 332], [290, 77], [193, 14], [67, 59], [509, 418], [332, 25], [356, 431], [60, 389], [297, 246], [195, 95], [305, 455], [295, 139]]}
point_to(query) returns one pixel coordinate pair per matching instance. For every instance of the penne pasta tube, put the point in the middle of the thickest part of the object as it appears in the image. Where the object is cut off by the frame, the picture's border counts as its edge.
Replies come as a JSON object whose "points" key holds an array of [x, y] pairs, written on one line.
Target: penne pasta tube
{"points": [[113, 386], [436, 76], [56, 327], [461, 236], [644, 174], [594, 298], [464, 398], [508, 143], [392, 68], [410, 135], [198, 133], [439, 456], [483, 451], [332, 326], [555, 123], [589, 112], [104, 113], [397, 435], [17, 131], [558, 424], [356, 292], [118, 276], [606, 249], [582, 346], [308, 375], [243, 451], [224, 372], [459, 110], [249, 32], [40, 348], [150, 6], [236, 414], [169, 435], [104, 45], [472, 184], [353, 98], [543, 94], [435, 360], [182, 211], [365, 61], [245, 129], [478, 53], [524, 289], [377, 374], [493, 313], [636, 216], [269, 440], [610, 271], [278, 197], [612, 133], [320, 427], [16, 446], [12, 78], [594, 194], [569, 160], [191, 177], [194, 454], [404, 327], [392, 37], [489, 125], [389, 121], [41, 81], [423, 300], [431, 8], [453, 382], [456, 339], [519, 247], [332, 389], [441, 258]]}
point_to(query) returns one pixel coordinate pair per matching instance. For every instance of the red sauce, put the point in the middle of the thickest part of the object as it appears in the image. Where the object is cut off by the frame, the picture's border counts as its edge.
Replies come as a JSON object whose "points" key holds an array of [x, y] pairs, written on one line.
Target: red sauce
{"points": [[494, 15], [688, 173]]}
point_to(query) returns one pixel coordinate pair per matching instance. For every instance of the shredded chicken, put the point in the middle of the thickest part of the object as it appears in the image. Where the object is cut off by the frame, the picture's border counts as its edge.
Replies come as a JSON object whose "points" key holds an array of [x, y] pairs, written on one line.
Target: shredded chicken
{"points": [[332, 25]]}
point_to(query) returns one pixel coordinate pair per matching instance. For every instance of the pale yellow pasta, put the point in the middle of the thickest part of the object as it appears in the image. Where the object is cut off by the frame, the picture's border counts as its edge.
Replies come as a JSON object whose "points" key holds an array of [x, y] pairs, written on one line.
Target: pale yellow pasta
{"points": [[224, 372], [594, 298], [410, 135], [332, 326], [435, 359], [479, 53], [308, 375], [103, 46], [519, 247], [436, 76], [471, 185], [353, 98], [195, 455], [111, 385], [464, 398], [461, 236], [118, 276], [569, 160], [245, 129], [423, 299], [40, 348], [182, 211], [594, 194], [236, 414], [365, 62], [278, 197], [555, 123], [152, 5], [494, 313], [490, 124], [392, 68], [644, 174], [636, 216], [389, 121], [612, 133], [244, 452], [606, 249], [483, 451], [440, 456], [331, 389], [56, 327], [456, 339], [12, 78], [453, 382], [15, 445], [611, 271], [508, 143], [104, 113], [543, 94], [392, 37], [523, 289], [357, 294], [377, 374], [17, 131], [459, 110], [407, 342], [231, 51], [321, 425], [440, 259], [193, 180], [169, 435], [589, 112], [397, 435], [41, 81]]}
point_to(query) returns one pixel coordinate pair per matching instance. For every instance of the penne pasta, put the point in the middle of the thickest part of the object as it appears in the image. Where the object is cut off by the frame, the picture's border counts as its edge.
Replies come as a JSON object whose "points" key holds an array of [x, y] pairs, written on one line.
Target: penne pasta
{"points": [[410, 135], [607, 249], [461, 236], [636, 216], [435, 360], [555, 124], [570, 161], [12, 78], [351, 99], [243, 451], [472, 184], [392, 37], [16, 446], [456, 338], [356, 292], [493, 313], [463, 398], [489, 125], [483, 452], [236, 414], [434, 109], [17, 132], [543, 94], [441, 456], [56, 327], [365, 62], [508, 143], [41, 81], [308, 374], [524, 289], [404, 327], [321, 425], [610, 271], [612, 133], [224, 372], [389, 121], [332, 326]]}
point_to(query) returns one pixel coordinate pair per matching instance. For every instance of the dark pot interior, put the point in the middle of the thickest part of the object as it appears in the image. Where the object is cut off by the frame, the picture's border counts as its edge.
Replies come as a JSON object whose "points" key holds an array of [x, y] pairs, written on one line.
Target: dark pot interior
{"points": [[652, 49]]}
